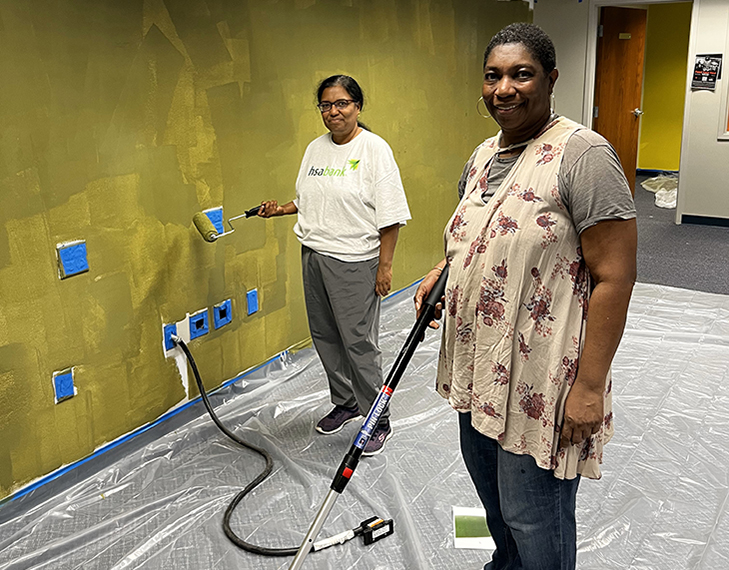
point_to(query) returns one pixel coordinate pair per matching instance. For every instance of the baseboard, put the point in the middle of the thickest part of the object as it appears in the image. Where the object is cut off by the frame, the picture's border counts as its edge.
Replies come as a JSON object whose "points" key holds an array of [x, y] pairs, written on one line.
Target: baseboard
{"points": [[705, 221], [651, 172]]}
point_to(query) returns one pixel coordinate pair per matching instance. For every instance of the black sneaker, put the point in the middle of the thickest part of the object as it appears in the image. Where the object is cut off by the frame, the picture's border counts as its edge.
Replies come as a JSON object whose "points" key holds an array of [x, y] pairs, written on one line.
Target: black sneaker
{"points": [[337, 419], [377, 442]]}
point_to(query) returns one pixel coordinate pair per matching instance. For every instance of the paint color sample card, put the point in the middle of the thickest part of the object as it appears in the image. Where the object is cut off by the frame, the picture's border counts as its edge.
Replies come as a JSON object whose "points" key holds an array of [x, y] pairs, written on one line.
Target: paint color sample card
{"points": [[470, 529]]}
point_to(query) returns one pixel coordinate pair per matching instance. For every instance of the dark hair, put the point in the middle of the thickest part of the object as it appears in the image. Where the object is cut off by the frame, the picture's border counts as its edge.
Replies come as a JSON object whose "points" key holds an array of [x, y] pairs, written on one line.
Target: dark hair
{"points": [[532, 37], [350, 86]]}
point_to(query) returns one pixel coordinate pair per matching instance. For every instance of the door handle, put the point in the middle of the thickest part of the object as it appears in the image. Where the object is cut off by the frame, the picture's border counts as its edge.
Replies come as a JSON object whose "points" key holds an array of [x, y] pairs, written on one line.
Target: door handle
{"points": [[637, 112]]}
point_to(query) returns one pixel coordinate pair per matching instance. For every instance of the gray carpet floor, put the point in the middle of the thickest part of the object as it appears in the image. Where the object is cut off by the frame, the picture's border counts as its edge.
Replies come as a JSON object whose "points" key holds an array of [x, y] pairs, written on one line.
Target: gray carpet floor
{"points": [[689, 256]]}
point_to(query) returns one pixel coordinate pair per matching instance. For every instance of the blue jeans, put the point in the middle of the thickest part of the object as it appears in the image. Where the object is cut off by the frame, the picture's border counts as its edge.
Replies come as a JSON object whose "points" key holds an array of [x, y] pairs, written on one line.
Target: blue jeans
{"points": [[530, 513]]}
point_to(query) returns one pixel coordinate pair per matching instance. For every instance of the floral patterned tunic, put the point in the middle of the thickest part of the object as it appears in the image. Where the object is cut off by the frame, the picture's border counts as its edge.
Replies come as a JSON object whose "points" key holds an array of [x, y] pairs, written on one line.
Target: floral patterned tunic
{"points": [[516, 308]]}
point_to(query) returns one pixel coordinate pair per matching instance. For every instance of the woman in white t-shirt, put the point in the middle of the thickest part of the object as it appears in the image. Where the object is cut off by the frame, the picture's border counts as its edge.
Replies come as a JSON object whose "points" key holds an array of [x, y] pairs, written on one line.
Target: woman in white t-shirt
{"points": [[350, 204]]}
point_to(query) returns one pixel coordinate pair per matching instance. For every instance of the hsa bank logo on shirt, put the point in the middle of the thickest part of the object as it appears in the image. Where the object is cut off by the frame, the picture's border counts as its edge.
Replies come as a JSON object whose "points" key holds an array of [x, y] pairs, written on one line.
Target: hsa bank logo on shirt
{"points": [[328, 171]]}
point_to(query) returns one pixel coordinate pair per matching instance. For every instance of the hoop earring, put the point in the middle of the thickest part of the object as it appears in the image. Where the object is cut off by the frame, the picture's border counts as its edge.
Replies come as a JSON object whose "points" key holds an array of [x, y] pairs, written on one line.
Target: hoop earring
{"points": [[486, 116], [551, 103]]}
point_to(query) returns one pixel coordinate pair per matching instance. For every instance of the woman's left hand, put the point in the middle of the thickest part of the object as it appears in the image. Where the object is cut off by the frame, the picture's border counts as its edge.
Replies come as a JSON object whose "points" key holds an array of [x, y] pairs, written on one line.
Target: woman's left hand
{"points": [[383, 281], [583, 414]]}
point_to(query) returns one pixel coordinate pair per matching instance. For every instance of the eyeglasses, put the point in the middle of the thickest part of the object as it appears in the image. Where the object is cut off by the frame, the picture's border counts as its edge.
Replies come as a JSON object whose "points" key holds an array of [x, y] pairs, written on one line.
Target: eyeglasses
{"points": [[340, 105]]}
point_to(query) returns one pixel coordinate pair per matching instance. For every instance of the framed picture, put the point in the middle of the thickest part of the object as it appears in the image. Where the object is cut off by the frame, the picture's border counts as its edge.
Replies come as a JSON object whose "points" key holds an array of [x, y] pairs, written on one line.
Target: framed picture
{"points": [[707, 69]]}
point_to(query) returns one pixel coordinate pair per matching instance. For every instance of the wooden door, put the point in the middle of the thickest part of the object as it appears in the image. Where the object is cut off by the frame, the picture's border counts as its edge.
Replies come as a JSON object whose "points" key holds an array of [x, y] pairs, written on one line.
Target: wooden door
{"points": [[619, 82]]}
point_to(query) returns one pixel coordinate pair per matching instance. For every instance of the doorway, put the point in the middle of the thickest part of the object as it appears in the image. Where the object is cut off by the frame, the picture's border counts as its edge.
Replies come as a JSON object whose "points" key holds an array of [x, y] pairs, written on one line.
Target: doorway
{"points": [[619, 82], [636, 80]]}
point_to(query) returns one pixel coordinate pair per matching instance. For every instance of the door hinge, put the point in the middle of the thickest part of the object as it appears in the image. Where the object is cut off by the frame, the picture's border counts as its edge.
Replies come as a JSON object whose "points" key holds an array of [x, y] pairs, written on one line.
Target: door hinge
{"points": [[594, 112], [599, 31]]}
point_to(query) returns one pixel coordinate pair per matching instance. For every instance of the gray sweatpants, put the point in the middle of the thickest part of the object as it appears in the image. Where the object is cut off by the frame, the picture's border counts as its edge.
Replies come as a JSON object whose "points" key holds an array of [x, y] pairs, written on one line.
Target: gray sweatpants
{"points": [[344, 317]]}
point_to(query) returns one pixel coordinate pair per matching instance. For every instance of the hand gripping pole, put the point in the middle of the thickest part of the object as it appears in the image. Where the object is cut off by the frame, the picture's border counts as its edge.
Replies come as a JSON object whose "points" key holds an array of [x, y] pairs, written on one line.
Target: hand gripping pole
{"points": [[351, 459]]}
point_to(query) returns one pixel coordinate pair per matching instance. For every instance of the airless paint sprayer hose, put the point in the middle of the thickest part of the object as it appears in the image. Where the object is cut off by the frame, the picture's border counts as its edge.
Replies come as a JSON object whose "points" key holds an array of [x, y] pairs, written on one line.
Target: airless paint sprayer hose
{"points": [[368, 528], [363, 530]]}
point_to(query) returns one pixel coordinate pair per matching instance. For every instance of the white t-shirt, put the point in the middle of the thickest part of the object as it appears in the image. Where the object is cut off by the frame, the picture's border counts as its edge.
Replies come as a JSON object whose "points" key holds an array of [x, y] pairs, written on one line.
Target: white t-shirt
{"points": [[345, 194]]}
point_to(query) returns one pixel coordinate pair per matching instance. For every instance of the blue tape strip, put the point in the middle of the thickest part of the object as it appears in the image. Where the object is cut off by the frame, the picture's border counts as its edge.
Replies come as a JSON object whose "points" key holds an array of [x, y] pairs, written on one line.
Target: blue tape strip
{"points": [[199, 325], [170, 330], [252, 301], [63, 384], [73, 259], [222, 314]]}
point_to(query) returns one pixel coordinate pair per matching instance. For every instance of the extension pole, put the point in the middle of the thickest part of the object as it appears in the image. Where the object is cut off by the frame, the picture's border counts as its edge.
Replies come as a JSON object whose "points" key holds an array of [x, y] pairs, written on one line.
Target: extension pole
{"points": [[351, 459]]}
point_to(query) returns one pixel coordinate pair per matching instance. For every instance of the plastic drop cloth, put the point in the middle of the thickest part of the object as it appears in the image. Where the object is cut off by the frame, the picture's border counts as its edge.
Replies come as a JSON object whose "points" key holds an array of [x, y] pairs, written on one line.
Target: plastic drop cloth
{"points": [[665, 188], [157, 501]]}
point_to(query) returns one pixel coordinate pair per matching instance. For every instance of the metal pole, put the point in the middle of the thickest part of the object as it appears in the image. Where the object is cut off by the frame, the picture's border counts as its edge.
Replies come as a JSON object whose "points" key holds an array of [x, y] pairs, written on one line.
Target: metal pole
{"points": [[308, 543], [351, 459]]}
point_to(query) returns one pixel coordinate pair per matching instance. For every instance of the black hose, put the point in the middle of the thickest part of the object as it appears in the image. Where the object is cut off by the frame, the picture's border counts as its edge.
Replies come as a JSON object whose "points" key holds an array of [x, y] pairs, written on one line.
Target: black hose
{"points": [[415, 337], [234, 538]]}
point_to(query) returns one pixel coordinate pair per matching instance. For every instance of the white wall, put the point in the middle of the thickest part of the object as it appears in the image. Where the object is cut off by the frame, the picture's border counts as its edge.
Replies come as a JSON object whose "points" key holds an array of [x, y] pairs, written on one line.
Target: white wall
{"points": [[704, 170], [566, 23]]}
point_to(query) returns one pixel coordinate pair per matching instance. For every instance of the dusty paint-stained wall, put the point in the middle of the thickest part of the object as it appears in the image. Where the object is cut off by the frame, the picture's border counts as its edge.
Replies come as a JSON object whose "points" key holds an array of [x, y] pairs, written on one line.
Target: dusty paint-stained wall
{"points": [[120, 120]]}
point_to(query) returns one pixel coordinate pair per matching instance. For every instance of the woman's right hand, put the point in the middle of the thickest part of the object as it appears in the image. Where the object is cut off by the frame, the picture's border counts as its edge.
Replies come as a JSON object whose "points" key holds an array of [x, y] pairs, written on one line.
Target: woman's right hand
{"points": [[422, 293], [270, 208]]}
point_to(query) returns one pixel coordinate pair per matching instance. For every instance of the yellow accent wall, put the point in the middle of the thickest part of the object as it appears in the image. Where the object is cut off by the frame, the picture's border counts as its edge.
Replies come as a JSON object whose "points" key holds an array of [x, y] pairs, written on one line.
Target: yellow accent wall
{"points": [[119, 120], [664, 85]]}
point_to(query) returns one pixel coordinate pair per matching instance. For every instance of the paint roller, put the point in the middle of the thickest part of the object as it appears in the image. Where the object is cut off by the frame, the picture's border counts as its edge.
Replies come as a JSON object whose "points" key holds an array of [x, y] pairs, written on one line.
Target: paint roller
{"points": [[207, 228]]}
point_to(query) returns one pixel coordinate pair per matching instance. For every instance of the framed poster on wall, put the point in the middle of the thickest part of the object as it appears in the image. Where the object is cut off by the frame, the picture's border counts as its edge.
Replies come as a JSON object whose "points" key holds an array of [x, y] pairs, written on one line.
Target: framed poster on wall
{"points": [[707, 70]]}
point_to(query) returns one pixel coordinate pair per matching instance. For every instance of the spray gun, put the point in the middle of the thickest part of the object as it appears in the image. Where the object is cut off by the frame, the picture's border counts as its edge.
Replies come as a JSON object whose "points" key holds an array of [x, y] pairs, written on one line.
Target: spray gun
{"points": [[207, 229]]}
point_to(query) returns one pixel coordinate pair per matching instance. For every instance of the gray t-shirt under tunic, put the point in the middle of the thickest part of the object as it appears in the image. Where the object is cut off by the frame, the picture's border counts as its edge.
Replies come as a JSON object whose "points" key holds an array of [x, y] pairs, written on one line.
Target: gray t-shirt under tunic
{"points": [[591, 182]]}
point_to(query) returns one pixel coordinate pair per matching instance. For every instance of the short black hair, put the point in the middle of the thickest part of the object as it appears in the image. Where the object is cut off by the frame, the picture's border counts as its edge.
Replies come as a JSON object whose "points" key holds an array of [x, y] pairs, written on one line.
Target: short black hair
{"points": [[349, 84], [532, 37]]}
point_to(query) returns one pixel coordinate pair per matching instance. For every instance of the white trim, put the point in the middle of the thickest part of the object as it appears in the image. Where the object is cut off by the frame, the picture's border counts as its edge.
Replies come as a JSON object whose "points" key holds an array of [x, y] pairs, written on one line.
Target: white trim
{"points": [[723, 90], [693, 35]]}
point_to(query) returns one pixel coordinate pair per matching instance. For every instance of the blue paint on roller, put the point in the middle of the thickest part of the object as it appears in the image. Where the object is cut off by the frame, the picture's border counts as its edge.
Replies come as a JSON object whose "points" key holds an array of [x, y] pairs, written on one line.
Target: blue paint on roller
{"points": [[199, 324], [63, 385], [252, 299], [72, 259], [222, 314], [170, 330], [215, 215]]}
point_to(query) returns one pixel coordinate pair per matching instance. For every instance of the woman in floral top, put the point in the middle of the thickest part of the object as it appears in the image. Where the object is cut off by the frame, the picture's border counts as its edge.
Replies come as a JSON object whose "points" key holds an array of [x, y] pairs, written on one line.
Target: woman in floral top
{"points": [[544, 235]]}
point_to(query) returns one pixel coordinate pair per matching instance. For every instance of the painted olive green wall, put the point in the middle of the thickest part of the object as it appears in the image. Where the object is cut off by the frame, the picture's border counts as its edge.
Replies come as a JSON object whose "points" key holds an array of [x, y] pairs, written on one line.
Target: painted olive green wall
{"points": [[664, 85], [119, 120]]}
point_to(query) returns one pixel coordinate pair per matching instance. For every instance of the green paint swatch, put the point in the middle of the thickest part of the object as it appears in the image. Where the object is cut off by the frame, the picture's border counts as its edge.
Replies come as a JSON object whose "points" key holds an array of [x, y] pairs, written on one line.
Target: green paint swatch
{"points": [[470, 526]]}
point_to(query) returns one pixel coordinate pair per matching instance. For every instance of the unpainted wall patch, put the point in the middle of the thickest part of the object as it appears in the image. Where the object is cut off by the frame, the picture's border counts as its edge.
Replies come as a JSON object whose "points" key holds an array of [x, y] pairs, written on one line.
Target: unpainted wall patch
{"points": [[199, 324], [72, 258], [215, 215], [222, 314], [63, 386]]}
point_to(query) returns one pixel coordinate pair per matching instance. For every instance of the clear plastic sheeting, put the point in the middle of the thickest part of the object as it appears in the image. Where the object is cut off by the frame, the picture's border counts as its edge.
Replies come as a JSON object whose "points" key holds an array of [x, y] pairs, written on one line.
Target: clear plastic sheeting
{"points": [[157, 501], [665, 188]]}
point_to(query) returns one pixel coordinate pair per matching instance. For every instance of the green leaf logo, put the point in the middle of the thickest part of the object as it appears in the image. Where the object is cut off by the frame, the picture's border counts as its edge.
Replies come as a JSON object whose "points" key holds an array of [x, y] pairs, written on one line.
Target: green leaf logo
{"points": [[354, 164]]}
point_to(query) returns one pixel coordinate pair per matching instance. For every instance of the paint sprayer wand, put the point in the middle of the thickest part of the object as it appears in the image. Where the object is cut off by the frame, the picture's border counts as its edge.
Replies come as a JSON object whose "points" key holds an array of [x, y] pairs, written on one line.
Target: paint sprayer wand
{"points": [[380, 528], [207, 228]]}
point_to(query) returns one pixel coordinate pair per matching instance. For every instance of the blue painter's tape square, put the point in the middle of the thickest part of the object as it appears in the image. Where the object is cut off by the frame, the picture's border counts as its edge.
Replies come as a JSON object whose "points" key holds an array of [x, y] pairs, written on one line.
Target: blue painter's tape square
{"points": [[72, 259], [215, 215], [252, 299], [170, 330], [63, 385], [222, 314], [199, 324]]}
